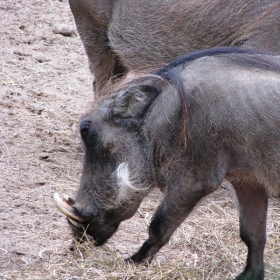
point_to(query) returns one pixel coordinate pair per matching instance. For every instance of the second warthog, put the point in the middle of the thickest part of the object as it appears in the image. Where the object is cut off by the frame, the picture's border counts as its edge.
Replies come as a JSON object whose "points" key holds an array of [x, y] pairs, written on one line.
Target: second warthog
{"points": [[123, 35]]}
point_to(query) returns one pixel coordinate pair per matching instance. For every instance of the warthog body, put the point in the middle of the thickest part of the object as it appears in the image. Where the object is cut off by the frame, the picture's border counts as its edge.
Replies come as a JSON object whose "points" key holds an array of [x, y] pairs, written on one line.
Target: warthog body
{"points": [[208, 116], [142, 34]]}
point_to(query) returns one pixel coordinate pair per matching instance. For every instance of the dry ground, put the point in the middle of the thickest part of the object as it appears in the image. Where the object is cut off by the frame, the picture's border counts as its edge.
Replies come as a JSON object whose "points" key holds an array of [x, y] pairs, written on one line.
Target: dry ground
{"points": [[45, 86]]}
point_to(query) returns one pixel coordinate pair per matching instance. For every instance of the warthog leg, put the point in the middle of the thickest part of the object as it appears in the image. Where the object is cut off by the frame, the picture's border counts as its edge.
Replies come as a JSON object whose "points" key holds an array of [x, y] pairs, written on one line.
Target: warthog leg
{"points": [[253, 202], [92, 28], [174, 209]]}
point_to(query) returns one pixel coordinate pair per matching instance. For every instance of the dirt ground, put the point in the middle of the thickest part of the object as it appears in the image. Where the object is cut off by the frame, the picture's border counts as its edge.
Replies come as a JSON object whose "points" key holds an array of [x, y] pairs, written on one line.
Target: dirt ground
{"points": [[45, 87]]}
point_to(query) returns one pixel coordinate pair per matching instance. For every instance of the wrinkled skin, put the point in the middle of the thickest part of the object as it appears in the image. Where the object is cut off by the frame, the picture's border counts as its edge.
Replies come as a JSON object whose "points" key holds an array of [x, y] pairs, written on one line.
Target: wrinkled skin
{"points": [[104, 154], [141, 35], [184, 130]]}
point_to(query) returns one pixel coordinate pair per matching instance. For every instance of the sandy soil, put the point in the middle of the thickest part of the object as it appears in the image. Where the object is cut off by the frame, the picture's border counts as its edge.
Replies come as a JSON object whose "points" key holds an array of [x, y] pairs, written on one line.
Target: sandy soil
{"points": [[45, 87]]}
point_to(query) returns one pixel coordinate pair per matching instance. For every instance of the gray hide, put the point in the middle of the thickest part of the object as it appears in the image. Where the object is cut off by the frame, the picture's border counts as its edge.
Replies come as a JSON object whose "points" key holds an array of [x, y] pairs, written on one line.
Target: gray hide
{"points": [[209, 116], [142, 35]]}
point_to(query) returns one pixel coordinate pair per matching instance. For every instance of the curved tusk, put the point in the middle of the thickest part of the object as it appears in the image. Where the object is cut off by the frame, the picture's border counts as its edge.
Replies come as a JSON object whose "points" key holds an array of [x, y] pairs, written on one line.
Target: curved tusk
{"points": [[65, 207], [70, 201], [74, 223]]}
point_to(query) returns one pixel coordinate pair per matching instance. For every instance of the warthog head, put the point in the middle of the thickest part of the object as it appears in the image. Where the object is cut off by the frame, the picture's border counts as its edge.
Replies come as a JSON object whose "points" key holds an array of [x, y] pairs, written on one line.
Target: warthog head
{"points": [[117, 172]]}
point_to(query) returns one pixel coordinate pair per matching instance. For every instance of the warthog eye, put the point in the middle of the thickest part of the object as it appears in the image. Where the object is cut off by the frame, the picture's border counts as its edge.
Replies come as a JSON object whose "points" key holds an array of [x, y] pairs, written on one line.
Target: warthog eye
{"points": [[84, 127]]}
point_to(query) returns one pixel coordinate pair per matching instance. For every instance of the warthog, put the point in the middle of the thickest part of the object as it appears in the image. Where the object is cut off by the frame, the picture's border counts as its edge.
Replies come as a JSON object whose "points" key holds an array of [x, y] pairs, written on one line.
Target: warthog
{"points": [[206, 117], [142, 34]]}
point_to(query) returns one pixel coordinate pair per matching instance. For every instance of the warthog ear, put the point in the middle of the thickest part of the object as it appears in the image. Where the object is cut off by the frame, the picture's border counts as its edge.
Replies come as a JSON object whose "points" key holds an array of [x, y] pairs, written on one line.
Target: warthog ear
{"points": [[134, 101]]}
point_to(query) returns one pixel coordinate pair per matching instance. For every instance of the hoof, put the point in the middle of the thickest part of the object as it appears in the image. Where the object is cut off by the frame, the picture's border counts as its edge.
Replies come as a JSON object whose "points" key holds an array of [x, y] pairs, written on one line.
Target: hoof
{"points": [[129, 260]]}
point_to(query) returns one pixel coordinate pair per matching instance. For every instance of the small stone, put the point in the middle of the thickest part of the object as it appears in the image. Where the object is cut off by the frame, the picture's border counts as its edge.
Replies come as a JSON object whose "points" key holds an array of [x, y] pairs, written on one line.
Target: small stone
{"points": [[36, 109], [20, 53], [41, 58], [64, 29], [19, 253]]}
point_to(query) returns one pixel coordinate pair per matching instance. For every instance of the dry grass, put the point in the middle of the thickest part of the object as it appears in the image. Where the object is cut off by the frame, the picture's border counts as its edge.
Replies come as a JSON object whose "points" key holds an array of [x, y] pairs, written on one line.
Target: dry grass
{"points": [[41, 103], [206, 246]]}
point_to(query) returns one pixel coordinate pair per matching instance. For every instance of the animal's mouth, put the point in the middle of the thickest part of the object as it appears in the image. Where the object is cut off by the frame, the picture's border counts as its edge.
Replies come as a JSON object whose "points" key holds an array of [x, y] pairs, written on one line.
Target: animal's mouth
{"points": [[65, 206]]}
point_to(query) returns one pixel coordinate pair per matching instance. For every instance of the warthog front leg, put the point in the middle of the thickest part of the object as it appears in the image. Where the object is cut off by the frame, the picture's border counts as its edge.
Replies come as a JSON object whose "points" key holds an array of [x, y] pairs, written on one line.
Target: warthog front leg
{"points": [[174, 209], [253, 203]]}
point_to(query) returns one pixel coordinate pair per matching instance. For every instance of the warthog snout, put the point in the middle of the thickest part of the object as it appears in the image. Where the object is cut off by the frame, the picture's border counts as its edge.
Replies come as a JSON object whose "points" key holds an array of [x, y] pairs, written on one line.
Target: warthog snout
{"points": [[65, 206], [81, 224], [77, 222]]}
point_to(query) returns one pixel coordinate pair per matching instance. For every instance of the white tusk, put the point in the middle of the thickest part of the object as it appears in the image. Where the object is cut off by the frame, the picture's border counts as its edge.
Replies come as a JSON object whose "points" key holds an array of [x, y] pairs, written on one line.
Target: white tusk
{"points": [[67, 209]]}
